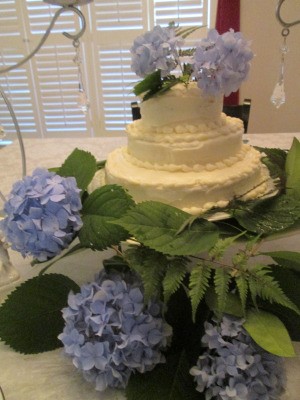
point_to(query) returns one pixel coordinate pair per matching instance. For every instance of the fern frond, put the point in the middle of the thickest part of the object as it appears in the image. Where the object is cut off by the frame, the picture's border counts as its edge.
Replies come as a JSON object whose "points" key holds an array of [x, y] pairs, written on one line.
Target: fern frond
{"points": [[262, 284], [221, 281], [199, 283], [240, 260], [151, 266], [242, 285], [175, 274], [185, 32], [222, 245]]}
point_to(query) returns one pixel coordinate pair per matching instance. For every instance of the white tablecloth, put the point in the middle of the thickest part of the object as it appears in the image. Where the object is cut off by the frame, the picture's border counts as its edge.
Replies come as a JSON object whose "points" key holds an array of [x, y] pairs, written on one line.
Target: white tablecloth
{"points": [[49, 375]]}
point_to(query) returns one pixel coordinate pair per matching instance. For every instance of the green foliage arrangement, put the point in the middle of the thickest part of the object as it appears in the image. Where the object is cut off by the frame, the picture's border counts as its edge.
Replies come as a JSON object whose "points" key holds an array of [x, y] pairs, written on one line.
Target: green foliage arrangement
{"points": [[197, 266]]}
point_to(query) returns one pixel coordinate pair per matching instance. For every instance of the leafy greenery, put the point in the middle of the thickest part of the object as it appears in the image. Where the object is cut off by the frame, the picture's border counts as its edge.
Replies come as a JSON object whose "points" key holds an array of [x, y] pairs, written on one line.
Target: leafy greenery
{"points": [[292, 168], [262, 284], [151, 84], [232, 306], [30, 318], [198, 285], [156, 225], [189, 263], [268, 216], [269, 333], [165, 382], [102, 207], [174, 276], [275, 160], [221, 281], [73, 166], [150, 265], [288, 259], [289, 281]]}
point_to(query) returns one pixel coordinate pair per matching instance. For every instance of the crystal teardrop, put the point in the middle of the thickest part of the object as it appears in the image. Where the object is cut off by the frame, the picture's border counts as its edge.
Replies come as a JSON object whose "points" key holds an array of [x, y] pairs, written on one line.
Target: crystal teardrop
{"points": [[278, 95]]}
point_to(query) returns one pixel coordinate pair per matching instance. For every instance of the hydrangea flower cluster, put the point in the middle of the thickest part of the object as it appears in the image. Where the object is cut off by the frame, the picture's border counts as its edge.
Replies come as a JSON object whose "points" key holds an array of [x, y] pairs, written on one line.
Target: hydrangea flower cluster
{"points": [[234, 367], [155, 50], [219, 63], [222, 62], [109, 332], [42, 214]]}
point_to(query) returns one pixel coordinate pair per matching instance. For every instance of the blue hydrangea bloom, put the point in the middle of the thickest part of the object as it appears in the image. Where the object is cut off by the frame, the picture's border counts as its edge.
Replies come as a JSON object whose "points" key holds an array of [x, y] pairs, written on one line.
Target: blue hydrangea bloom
{"points": [[234, 367], [155, 50], [42, 214], [109, 332], [222, 62]]}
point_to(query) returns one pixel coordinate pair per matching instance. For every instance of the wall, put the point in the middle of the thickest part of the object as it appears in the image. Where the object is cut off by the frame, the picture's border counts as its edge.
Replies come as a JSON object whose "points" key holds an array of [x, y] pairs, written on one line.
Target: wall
{"points": [[258, 23]]}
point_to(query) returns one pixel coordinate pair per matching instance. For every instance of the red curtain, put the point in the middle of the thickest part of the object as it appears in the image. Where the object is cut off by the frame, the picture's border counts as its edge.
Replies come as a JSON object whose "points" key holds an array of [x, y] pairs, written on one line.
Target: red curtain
{"points": [[228, 17]]}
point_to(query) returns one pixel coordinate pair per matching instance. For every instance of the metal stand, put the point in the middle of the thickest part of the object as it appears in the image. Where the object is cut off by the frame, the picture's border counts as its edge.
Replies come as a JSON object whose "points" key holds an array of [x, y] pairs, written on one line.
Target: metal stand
{"points": [[8, 273]]}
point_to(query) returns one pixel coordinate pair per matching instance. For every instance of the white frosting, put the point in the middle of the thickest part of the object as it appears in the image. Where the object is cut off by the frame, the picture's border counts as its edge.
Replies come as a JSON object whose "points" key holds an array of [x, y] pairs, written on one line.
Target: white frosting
{"points": [[199, 148], [181, 104], [185, 152], [191, 191]]}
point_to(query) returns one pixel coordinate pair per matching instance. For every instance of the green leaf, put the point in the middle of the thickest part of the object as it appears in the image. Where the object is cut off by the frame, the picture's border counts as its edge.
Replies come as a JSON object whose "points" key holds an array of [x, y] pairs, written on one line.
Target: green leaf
{"points": [[199, 283], [242, 286], [289, 281], [185, 32], [174, 276], [186, 332], [222, 245], [170, 381], [167, 84], [268, 216], [151, 83], [150, 265], [269, 333], [262, 284], [156, 225], [288, 259], [221, 281], [102, 207], [232, 306], [275, 161], [30, 318], [292, 168], [73, 166], [116, 263]]}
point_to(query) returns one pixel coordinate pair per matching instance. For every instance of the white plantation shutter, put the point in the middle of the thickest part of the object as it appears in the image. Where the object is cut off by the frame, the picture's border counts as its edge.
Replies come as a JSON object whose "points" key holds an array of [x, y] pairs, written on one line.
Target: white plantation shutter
{"points": [[9, 22], [183, 12], [119, 15], [117, 81], [57, 90], [18, 90], [17, 85], [44, 91]]}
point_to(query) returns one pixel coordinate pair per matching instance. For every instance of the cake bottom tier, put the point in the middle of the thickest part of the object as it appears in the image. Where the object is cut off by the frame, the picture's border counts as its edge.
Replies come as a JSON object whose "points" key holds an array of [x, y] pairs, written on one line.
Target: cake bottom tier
{"points": [[192, 191]]}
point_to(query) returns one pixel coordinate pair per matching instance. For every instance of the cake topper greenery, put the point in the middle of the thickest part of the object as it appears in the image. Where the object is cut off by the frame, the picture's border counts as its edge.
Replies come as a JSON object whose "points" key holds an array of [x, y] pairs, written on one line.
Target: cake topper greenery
{"points": [[219, 63], [186, 307]]}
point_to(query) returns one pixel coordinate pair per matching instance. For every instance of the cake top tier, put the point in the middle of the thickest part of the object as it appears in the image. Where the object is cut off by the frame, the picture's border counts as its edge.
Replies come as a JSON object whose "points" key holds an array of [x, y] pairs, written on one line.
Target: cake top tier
{"points": [[182, 103]]}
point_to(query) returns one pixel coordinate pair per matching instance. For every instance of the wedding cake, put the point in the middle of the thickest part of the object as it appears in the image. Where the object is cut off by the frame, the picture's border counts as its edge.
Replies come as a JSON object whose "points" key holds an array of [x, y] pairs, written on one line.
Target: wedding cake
{"points": [[185, 152]]}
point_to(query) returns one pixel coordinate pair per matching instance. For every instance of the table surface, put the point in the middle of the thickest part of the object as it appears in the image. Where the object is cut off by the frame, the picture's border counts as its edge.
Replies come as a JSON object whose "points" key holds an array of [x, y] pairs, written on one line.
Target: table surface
{"points": [[48, 375]]}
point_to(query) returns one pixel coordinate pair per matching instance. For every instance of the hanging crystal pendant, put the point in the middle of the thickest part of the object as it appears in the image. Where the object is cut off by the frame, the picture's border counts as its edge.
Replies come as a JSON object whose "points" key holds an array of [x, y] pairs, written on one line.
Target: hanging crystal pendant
{"points": [[2, 133], [83, 101], [278, 96]]}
